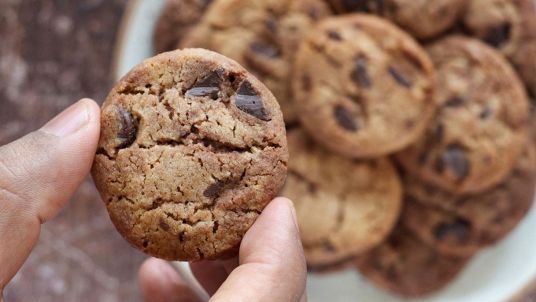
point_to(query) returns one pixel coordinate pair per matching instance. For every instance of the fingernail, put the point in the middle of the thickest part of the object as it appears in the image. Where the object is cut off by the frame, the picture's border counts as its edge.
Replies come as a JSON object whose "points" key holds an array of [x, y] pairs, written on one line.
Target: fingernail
{"points": [[290, 204], [69, 121]]}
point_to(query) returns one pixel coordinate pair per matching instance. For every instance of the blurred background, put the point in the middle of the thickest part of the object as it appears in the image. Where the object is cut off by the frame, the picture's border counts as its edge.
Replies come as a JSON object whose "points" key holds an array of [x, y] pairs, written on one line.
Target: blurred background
{"points": [[52, 53]]}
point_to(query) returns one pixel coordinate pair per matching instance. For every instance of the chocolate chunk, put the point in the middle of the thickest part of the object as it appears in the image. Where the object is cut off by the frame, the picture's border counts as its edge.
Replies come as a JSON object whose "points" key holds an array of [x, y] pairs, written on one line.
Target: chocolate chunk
{"points": [[249, 101], [486, 113], [208, 86], [498, 35], [214, 190], [205, 4], [439, 133], [423, 157], [128, 128], [271, 24], [328, 247], [455, 101], [164, 226], [333, 35], [455, 159], [399, 78], [360, 74], [345, 118], [355, 5], [264, 49], [459, 228], [313, 13], [306, 82]]}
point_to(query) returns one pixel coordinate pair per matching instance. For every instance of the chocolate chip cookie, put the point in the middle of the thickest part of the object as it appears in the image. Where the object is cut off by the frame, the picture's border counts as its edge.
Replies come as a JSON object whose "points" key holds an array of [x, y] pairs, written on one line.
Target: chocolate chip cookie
{"points": [[363, 87], [262, 35], [406, 266], [524, 60], [510, 26], [481, 127], [422, 18], [504, 24], [344, 206], [192, 148], [462, 225], [177, 18]]}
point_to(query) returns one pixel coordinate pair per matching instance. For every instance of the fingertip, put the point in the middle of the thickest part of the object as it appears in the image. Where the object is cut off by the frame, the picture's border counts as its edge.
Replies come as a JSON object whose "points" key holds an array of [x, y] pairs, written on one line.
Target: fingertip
{"points": [[158, 281]]}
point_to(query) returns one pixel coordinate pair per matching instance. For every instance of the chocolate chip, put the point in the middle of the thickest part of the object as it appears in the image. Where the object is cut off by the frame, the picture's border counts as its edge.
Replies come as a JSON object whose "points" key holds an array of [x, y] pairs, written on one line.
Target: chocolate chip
{"points": [[313, 13], [271, 24], [249, 101], [345, 118], [164, 226], [355, 5], [360, 74], [214, 190], [205, 3], [455, 101], [455, 159], [399, 78], [458, 228], [208, 86], [486, 113], [333, 35], [306, 82], [439, 133], [328, 247], [128, 128], [264, 49], [423, 157], [498, 35]]}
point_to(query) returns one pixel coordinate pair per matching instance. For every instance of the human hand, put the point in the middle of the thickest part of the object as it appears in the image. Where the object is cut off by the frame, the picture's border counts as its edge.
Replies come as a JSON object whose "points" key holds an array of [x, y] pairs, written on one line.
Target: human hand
{"points": [[38, 174], [271, 266]]}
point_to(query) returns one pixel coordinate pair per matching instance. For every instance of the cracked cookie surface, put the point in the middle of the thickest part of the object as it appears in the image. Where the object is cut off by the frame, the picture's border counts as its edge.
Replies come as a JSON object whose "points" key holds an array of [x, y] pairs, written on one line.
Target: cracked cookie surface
{"points": [[370, 90], [344, 206], [406, 266], [177, 18], [482, 125], [192, 148], [262, 35], [423, 18], [463, 225]]}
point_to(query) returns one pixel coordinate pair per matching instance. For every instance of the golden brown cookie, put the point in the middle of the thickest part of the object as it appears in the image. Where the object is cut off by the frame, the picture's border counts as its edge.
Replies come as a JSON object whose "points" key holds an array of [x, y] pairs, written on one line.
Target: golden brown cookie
{"points": [[422, 18], [262, 35], [192, 149], [363, 88], [463, 225], [406, 266], [482, 125], [177, 18], [344, 207]]}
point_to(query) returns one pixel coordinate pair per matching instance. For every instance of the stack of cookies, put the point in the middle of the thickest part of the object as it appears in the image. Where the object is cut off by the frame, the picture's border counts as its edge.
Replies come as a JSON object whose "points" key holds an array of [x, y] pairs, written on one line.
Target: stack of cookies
{"points": [[408, 122]]}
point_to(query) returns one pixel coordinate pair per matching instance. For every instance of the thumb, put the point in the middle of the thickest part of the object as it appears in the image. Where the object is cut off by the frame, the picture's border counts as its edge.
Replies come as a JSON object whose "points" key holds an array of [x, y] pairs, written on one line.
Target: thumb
{"points": [[272, 265], [38, 174]]}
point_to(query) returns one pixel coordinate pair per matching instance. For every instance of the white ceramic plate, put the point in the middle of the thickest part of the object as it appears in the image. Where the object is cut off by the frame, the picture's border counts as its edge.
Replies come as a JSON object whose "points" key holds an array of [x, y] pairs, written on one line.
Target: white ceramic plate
{"points": [[494, 275]]}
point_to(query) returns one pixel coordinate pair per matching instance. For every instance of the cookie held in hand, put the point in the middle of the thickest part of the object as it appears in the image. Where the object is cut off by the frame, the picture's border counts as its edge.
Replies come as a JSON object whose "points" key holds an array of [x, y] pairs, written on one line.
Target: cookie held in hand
{"points": [[192, 149]]}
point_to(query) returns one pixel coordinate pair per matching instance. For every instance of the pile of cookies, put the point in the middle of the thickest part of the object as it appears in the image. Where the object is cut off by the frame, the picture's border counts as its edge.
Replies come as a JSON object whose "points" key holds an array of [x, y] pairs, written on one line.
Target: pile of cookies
{"points": [[408, 122]]}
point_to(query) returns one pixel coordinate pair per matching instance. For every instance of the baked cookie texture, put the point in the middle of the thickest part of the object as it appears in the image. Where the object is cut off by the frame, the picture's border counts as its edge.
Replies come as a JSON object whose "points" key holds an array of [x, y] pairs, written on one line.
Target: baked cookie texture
{"points": [[363, 87], [177, 18], [408, 267], [424, 19], [481, 127], [463, 225], [192, 148], [510, 26], [262, 35], [344, 206]]}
